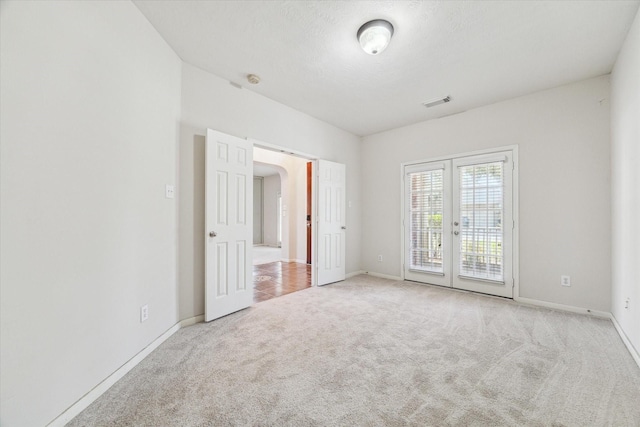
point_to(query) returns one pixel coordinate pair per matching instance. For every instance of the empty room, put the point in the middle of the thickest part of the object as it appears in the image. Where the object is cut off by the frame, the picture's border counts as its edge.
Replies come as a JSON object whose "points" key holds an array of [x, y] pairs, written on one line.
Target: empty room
{"points": [[319, 213]]}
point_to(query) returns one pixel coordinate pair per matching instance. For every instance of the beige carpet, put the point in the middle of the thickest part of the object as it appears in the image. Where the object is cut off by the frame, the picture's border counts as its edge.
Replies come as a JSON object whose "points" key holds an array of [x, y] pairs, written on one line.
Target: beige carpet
{"points": [[373, 352]]}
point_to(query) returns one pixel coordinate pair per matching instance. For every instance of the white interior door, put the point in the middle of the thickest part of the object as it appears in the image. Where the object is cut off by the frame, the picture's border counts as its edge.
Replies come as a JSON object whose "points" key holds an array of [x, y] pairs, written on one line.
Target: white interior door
{"points": [[459, 223], [229, 207], [330, 261]]}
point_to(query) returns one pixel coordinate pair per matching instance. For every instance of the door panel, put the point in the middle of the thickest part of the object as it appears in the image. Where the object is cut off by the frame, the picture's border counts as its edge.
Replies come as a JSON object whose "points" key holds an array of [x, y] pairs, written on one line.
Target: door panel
{"points": [[229, 204], [483, 224], [258, 206], [331, 222], [459, 223], [427, 234]]}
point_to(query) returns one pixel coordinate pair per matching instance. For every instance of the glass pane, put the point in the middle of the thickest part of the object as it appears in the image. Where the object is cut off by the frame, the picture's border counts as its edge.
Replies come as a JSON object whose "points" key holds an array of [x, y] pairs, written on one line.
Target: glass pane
{"points": [[426, 195], [481, 211]]}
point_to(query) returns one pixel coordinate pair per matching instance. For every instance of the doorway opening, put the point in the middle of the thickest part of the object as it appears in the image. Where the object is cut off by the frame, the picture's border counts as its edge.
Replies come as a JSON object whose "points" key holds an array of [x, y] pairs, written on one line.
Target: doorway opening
{"points": [[229, 165], [282, 224]]}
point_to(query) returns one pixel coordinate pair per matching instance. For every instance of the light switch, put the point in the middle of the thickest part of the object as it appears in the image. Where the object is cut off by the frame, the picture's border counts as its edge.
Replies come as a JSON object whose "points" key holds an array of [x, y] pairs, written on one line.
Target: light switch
{"points": [[169, 191]]}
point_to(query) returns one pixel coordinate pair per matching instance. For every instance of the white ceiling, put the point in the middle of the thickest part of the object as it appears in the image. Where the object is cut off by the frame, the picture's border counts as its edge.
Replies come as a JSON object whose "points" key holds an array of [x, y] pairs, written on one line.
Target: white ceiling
{"points": [[264, 170], [478, 52]]}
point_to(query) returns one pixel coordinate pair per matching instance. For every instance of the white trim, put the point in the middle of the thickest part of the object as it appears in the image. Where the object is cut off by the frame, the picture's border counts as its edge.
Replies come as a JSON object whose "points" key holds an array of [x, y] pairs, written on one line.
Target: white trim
{"points": [[354, 273], [425, 167], [383, 276], [476, 160], [463, 154], [515, 215], [626, 341], [191, 321], [281, 149], [91, 396], [562, 307]]}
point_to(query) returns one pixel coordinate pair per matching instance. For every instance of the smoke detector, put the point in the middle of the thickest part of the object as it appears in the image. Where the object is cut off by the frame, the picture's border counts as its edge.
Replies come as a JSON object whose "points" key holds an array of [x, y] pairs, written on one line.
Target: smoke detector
{"points": [[253, 79], [438, 101]]}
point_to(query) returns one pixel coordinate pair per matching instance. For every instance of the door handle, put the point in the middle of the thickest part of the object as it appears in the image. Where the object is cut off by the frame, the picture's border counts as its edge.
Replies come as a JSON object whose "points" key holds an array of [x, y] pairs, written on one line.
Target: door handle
{"points": [[456, 233], [455, 223], [212, 234], [343, 227]]}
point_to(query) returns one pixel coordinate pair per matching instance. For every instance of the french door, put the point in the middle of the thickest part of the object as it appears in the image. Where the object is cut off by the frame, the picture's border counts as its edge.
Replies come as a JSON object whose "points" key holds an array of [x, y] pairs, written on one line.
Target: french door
{"points": [[459, 224]]}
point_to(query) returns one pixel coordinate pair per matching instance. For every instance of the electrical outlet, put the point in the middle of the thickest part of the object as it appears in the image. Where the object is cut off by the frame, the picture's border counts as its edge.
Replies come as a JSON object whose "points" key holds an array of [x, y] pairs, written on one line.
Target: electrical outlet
{"points": [[169, 191], [144, 313], [565, 280], [379, 258]]}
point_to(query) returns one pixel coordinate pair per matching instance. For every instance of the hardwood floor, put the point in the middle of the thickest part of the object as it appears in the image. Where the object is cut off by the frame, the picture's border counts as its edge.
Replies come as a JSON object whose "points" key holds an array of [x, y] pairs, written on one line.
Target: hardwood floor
{"points": [[279, 278]]}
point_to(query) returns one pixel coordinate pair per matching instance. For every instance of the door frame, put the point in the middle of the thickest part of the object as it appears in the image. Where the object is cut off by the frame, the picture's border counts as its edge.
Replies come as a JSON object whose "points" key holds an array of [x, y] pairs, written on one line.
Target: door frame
{"points": [[515, 201], [314, 200]]}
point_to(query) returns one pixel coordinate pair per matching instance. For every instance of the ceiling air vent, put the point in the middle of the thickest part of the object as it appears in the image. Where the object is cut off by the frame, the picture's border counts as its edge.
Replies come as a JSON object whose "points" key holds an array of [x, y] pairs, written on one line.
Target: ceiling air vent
{"points": [[435, 102]]}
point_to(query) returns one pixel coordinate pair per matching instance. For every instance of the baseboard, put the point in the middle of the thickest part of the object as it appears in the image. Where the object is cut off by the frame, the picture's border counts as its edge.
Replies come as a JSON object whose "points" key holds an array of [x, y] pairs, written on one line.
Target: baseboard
{"points": [[191, 321], [353, 274], [299, 261], [101, 388], [626, 340], [382, 276], [562, 307]]}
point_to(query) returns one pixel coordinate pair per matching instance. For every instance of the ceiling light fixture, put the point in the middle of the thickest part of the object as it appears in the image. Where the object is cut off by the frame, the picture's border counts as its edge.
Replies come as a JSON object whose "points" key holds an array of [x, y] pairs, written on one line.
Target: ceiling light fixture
{"points": [[374, 36]]}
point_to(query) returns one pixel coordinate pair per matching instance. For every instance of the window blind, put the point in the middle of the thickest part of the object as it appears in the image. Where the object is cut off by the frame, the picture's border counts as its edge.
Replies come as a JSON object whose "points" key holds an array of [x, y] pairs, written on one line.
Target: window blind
{"points": [[426, 190], [481, 225]]}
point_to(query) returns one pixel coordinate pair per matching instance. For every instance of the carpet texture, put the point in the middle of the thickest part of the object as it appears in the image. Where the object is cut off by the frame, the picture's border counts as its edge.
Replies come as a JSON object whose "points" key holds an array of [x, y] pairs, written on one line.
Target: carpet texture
{"points": [[374, 352]]}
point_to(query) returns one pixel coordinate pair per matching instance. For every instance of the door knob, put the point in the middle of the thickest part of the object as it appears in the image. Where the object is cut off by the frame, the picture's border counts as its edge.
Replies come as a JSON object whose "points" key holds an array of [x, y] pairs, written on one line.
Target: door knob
{"points": [[456, 233], [343, 227], [212, 234], [455, 223]]}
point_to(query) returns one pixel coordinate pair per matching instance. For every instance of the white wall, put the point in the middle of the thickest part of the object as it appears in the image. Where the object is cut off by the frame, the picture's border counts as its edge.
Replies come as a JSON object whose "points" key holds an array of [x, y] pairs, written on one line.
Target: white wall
{"points": [[625, 185], [563, 138], [211, 102], [90, 100], [293, 190], [270, 211]]}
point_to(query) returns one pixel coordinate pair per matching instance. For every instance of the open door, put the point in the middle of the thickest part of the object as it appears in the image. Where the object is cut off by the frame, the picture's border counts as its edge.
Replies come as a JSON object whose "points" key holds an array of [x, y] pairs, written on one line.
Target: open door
{"points": [[229, 207], [331, 222], [309, 209]]}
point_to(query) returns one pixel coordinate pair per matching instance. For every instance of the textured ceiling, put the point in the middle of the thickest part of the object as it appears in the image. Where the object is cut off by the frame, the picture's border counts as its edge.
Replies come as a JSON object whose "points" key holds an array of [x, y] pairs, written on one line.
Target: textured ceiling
{"points": [[477, 52]]}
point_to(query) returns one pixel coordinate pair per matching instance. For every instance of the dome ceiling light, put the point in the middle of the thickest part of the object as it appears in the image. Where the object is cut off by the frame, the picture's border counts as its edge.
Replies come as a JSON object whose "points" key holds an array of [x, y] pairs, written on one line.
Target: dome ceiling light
{"points": [[374, 36]]}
